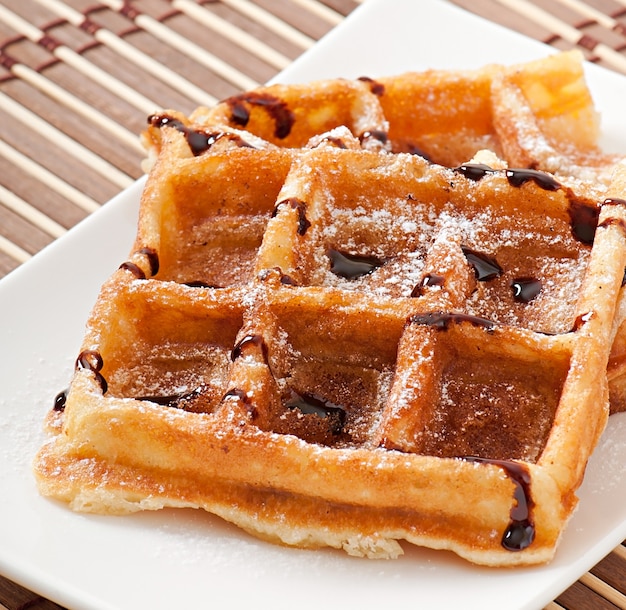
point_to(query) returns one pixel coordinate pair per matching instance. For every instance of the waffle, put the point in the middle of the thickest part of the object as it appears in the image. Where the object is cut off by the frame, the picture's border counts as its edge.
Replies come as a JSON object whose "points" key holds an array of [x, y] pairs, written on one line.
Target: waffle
{"points": [[335, 344]]}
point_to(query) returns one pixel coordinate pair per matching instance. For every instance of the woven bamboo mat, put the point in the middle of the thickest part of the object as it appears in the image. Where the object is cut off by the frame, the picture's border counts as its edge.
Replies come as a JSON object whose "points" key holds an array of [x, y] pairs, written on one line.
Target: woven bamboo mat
{"points": [[70, 112]]}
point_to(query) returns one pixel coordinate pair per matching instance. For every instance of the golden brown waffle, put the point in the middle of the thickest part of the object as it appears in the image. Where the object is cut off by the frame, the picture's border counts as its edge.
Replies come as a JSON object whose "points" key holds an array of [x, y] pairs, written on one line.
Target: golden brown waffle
{"points": [[537, 115], [335, 346]]}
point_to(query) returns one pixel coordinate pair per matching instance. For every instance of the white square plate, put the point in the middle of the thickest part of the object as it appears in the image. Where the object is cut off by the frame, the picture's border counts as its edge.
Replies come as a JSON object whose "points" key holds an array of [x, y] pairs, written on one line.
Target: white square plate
{"points": [[187, 558]]}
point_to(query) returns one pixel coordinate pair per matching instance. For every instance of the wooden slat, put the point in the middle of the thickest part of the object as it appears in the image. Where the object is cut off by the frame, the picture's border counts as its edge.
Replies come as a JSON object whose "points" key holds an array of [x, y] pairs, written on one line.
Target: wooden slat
{"points": [[175, 40], [237, 35], [123, 48], [270, 21], [605, 590], [77, 61]]}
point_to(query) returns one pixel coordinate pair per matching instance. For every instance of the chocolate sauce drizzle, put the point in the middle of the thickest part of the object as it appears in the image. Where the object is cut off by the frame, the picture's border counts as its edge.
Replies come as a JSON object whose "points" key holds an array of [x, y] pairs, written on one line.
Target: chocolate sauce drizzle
{"points": [[374, 134], [516, 177], [59, 400], [300, 207], [521, 530], [375, 87], [173, 400], [241, 396], [136, 270], [235, 394], [441, 320], [584, 221], [201, 284], [614, 201], [283, 278], [252, 340], [429, 280], [485, 267], [616, 222], [525, 289], [352, 266], [583, 216], [610, 201], [287, 280], [153, 259], [313, 404], [91, 360], [199, 140], [474, 171], [277, 109], [336, 142]]}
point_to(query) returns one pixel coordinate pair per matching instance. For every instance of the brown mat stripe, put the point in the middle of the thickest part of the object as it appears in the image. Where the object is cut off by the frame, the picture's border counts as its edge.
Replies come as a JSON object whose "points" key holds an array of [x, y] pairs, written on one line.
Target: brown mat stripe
{"points": [[70, 112], [598, 27]]}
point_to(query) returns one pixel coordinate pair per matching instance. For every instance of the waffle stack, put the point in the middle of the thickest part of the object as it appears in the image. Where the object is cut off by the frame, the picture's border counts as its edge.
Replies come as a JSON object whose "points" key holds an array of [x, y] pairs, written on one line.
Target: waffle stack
{"points": [[330, 340]]}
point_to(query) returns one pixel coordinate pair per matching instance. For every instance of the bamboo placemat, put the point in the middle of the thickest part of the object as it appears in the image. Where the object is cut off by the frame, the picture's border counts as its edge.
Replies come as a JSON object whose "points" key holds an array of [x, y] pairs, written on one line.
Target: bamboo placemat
{"points": [[70, 112]]}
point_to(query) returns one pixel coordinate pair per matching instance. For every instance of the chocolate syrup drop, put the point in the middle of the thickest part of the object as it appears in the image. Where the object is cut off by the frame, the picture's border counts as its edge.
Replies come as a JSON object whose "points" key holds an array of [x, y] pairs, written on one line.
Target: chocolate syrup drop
{"points": [[525, 289], [614, 201], [136, 270], [161, 120], [442, 320], [249, 340], [283, 117], [313, 404], [239, 113], [236, 394], [153, 259], [375, 87], [474, 171], [200, 284], [485, 267], [374, 134], [240, 395], [431, 279], [283, 278], [518, 177], [336, 142], [172, 400], [300, 207], [352, 266], [287, 280], [92, 361], [521, 531], [199, 140], [617, 222], [59, 401], [584, 221]]}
